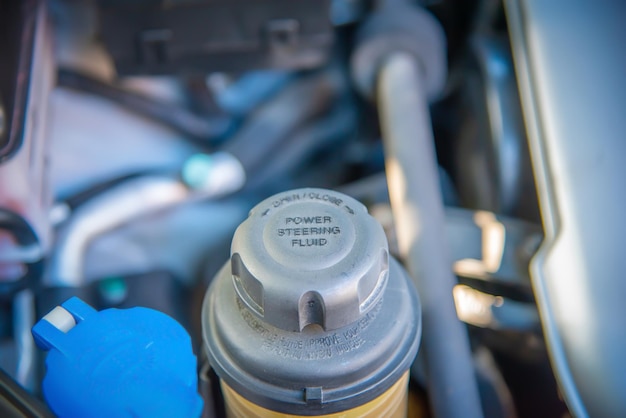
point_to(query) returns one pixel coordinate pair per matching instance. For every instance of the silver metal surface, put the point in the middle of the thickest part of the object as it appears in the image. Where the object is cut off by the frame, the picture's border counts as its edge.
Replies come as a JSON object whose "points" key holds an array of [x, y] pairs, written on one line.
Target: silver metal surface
{"points": [[492, 248], [23, 254], [104, 213], [487, 311], [129, 201], [24, 185], [571, 61], [417, 205], [23, 320]]}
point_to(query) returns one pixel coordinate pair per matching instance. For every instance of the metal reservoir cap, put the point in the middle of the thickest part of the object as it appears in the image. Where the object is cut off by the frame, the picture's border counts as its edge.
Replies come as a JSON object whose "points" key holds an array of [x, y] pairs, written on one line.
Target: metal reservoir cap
{"points": [[311, 316], [309, 256]]}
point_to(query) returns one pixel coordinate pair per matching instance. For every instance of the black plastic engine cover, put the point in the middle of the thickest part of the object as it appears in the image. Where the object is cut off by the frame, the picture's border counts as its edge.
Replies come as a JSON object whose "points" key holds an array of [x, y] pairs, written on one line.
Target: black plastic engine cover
{"points": [[200, 36]]}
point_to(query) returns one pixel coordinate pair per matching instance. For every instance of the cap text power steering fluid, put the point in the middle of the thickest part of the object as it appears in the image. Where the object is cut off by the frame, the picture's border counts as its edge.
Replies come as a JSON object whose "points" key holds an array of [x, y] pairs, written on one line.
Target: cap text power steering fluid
{"points": [[311, 316]]}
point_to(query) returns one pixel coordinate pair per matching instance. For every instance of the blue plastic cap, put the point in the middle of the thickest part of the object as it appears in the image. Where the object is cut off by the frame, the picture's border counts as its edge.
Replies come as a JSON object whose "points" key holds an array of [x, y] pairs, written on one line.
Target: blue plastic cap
{"points": [[117, 363]]}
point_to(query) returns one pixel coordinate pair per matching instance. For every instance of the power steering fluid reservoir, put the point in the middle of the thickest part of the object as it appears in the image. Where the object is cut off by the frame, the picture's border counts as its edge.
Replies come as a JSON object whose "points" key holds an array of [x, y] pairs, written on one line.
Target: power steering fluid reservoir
{"points": [[311, 316]]}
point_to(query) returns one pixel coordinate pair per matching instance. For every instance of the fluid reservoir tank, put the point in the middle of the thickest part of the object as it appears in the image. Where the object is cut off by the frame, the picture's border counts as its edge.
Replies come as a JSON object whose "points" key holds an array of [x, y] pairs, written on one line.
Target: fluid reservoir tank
{"points": [[311, 316]]}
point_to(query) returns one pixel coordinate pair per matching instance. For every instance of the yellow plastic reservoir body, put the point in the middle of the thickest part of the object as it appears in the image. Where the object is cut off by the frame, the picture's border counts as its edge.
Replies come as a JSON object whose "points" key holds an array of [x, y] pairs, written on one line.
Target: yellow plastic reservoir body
{"points": [[391, 404], [312, 316]]}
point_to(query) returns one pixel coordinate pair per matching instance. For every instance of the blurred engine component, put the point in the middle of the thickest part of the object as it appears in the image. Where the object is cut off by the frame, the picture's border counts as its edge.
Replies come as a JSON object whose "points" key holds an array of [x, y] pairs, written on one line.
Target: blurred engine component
{"points": [[26, 77], [15, 401], [494, 170], [199, 36]]}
